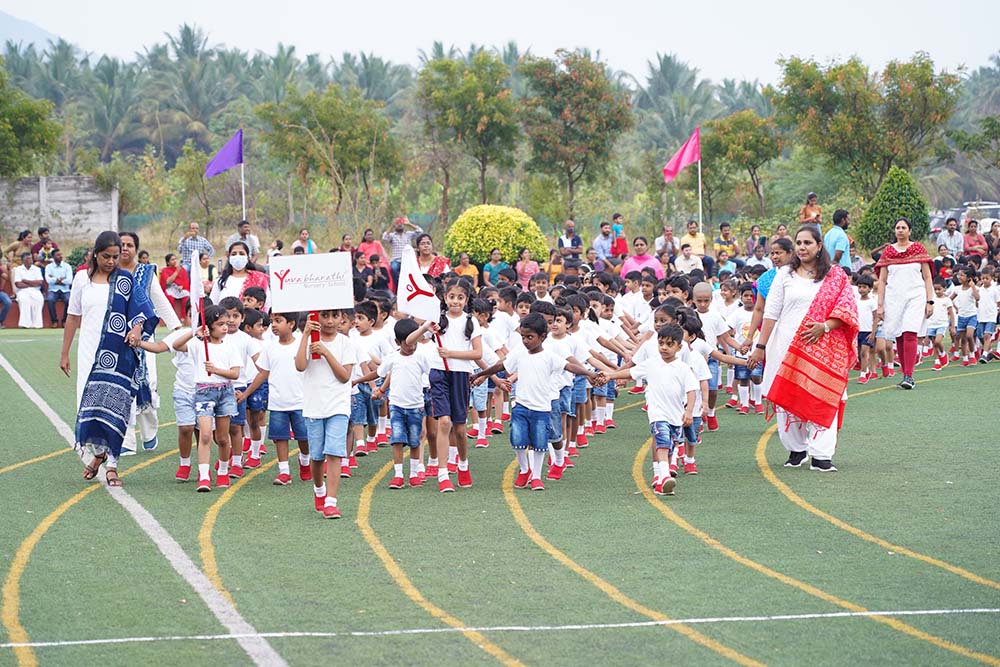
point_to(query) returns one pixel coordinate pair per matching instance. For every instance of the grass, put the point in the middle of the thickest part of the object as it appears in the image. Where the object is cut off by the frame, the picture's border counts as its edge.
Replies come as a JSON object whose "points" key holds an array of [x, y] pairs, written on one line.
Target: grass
{"points": [[917, 469]]}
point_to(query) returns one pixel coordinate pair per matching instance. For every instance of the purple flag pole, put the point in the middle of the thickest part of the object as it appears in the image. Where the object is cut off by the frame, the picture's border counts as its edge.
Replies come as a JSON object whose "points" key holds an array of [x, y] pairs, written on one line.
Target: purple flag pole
{"points": [[228, 157]]}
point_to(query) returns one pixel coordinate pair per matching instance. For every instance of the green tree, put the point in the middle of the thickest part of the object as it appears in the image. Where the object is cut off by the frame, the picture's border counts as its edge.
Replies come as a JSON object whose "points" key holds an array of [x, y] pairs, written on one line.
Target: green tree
{"points": [[573, 117], [470, 103], [748, 142], [27, 133], [898, 197], [983, 146], [864, 123]]}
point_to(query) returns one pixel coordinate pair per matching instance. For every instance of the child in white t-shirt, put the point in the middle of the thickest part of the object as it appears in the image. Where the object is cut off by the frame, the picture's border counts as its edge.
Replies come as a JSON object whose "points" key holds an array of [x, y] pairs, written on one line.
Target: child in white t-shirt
{"points": [[867, 324], [717, 333], [966, 299], [748, 382], [942, 320], [247, 349], [183, 395], [327, 404], [989, 295]]}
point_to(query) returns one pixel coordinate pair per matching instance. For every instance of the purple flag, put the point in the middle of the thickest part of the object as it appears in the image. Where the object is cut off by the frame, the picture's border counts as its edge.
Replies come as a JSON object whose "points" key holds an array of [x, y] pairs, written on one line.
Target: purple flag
{"points": [[228, 156]]}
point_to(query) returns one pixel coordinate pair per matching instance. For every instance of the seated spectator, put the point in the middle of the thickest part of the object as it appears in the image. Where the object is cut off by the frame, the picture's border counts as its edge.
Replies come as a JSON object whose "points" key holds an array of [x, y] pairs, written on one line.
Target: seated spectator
{"points": [[28, 282], [688, 261], [58, 279]]}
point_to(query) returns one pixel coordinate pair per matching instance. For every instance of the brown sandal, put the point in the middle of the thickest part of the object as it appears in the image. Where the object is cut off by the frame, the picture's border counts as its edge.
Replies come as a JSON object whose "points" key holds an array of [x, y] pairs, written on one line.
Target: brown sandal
{"points": [[90, 471], [115, 481]]}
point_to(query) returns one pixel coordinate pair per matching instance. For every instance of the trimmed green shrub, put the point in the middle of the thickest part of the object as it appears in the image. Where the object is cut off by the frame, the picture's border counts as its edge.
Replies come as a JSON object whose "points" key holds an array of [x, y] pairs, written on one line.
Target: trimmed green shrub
{"points": [[481, 228], [897, 197]]}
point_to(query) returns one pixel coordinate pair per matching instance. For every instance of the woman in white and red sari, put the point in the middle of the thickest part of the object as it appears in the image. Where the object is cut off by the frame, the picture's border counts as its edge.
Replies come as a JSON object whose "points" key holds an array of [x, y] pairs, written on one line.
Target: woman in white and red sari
{"points": [[808, 337]]}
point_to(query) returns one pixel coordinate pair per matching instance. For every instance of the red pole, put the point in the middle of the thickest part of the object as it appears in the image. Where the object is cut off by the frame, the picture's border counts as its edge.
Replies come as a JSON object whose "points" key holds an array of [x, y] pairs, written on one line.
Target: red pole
{"points": [[441, 345], [314, 336], [201, 307]]}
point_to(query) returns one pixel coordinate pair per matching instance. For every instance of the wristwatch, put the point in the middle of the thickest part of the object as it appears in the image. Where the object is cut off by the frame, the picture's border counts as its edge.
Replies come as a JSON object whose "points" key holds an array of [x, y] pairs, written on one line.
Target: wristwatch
{"points": [[761, 347]]}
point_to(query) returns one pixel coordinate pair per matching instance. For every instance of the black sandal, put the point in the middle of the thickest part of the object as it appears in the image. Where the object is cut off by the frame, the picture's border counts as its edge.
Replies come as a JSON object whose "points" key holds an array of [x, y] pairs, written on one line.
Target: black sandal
{"points": [[115, 481], [90, 471]]}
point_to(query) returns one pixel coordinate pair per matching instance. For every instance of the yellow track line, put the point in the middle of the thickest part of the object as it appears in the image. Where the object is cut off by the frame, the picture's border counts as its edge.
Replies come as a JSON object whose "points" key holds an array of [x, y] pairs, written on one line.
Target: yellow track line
{"points": [[604, 586], [784, 578], [10, 609], [765, 469], [403, 581], [209, 565]]}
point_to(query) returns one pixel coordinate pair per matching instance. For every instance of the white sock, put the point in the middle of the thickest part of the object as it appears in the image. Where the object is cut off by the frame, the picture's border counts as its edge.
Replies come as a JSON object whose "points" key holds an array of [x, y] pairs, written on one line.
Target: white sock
{"points": [[415, 467], [330, 502], [442, 473], [638, 383], [432, 462], [369, 439], [673, 460], [522, 460], [358, 445], [452, 454], [657, 469], [397, 469], [255, 446], [756, 392], [185, 461], [203, 471], [283, 467], [609, 411], [744, 393], [599, 415], [223, 467], [303, 459], [319, 491], [505, 408], [383, 424], [688, 459], [579, 430], [537, 461], [463, 465], [481, 426], [236, 461], [711, 412], [559, 457]]}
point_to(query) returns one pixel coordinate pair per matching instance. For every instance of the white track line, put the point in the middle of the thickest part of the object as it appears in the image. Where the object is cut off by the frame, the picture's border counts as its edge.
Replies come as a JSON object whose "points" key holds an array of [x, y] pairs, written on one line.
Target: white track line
{"points": [[508, 628], [254, 643]]}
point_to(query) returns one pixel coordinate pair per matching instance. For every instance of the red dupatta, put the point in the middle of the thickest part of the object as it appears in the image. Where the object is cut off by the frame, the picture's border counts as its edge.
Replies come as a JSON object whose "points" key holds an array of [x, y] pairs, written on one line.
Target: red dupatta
{"points": [[811, 380], [914, 253]]}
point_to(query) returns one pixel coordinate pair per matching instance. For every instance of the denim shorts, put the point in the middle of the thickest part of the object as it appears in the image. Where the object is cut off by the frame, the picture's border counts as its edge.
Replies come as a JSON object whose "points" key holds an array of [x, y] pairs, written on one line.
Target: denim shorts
{"points": [[377, 403], [361, 408], [934, 332], [691, 432], [184, 408], [327, 437], [863, 339], [214, 400], [985, 328], [427, 401], [281, 424], [555, 421], [478, 398], [744, 373], [970, 322], [665, 435], [240, 418], [529, 429], [489, 382], [579, 389], [713, 366], [257, 401], [880, 332], [566, 404], [407, 424]]}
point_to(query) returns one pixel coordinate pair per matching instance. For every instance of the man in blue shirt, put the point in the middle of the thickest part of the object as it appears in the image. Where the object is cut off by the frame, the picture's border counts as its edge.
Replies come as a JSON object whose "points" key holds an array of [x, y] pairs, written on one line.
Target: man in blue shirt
{"points": [[837, 245], [58, 279], [602, 246]]}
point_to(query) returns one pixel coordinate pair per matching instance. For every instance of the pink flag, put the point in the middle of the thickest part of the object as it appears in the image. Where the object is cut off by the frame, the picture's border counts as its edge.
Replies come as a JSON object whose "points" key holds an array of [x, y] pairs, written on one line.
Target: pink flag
{"points": [[689, 153]]}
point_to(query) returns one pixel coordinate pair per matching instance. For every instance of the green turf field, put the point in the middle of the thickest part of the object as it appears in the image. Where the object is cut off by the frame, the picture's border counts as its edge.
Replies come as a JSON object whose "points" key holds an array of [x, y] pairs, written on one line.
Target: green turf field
{"points": [[766, 565]]}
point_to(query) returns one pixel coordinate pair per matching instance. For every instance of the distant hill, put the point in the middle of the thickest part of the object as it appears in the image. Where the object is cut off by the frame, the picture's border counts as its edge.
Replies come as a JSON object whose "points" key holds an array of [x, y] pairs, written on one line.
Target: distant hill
{"points": [[15, 30]]}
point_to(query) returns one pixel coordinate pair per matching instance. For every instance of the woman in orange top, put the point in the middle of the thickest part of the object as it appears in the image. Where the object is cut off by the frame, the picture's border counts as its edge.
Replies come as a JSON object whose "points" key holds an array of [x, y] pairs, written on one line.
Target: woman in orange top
{"points": [[467, 268], [810, 213]]}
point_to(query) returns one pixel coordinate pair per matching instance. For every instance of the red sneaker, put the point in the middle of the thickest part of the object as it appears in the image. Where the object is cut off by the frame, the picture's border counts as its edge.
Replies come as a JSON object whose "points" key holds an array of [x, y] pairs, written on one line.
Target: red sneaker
{"points": [[680, 451], [886, 371], [305, 473], [222, 481], [610, 423], [465, 478], [482, 443], [863, 378], [635, 390], [521, 480], [581, 440], [183, 473], [965, 362], [759, 409], [505, 417], [857, 365], [673, 470], [733, 402], [352, 462], [263, 449], [204, 485], [572, 451], [431, 471], [452, 467], [713, 422], [246, 445], [396, 483], [536, 485], [331, 512], [423, 476], [568, 463], [600, 428], [472, 433], [729, 389], [645, 408], [744, 410], [380, 439], [495, 428], [416, 481], [345, 472], [251, 463], [666, 487], [555, 472], [944, 361], [236, 471], [444, 486], [929, 352], [319, 502], [361, 450], [284, 479], [372, 445], [656, 480], [588, 431], [937, 365], [691, 468]]}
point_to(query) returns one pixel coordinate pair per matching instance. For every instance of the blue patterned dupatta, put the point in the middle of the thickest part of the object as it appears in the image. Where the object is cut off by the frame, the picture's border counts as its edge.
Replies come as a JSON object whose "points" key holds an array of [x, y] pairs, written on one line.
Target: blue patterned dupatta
{"points": [[144, 274], [117, 376]]}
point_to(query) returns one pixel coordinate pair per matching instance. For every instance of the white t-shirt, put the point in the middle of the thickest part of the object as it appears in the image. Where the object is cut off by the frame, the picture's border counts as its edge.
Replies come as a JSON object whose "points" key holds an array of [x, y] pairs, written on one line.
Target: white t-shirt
{"points": [[454, 339], [328, 396], [713, 325], [965, 302], [561, 348], [368, 349], [939, 318], [988, 297], [246, 346], [284, 383], [666, 389], [409, 375], [503, 327], [223, 355], [184, 377], [697, 346], [701, 372], [739, 322], [534, 377], [429, 352], [650, 349], [490, 345], [866, 312]]}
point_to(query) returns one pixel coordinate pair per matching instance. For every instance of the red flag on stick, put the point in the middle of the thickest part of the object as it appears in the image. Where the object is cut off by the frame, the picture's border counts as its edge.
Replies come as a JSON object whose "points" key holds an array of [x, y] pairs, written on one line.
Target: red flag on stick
{"points": [[689, 153]]}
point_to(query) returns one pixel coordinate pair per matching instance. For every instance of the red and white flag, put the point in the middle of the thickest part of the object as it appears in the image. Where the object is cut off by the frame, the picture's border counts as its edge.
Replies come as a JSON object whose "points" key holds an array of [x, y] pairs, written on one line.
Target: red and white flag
{"points": [[197, 290], [415, 296], [689, 153]]}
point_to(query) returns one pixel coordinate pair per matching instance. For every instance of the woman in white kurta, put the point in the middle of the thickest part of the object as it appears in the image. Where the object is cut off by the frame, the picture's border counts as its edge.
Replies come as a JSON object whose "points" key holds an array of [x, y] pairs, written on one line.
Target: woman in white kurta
{"points": [[239, 274], [28, 281]]}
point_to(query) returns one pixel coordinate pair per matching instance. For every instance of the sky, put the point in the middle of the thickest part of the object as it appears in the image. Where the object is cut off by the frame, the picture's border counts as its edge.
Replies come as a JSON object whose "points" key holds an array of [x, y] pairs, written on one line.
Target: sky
{"points": [[724, 39]]}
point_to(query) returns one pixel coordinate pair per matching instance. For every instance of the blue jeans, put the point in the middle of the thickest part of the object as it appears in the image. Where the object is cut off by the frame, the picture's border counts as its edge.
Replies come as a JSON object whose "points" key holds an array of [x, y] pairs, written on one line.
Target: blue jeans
{"points": [[407, 424], [665, 435], [50, 301], [394, 270], [4, 306], [214, 400], [529, 428], [327, 437]]}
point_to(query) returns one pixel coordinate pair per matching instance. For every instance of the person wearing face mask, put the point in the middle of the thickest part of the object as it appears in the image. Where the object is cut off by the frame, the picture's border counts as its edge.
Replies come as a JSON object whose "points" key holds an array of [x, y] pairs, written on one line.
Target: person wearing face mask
{"points": [[239, 274]]}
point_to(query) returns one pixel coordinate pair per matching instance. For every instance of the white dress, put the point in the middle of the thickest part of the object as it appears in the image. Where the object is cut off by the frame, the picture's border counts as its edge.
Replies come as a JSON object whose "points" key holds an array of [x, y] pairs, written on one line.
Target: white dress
{"points": [[787, 304], [89, 301], [905, 299]]}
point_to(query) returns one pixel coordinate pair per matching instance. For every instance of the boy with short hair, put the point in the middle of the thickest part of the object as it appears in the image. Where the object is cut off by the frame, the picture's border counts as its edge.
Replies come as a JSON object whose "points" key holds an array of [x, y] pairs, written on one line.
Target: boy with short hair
{"points": [[867, 322], [748, 387], [254, 298], [989, 295], [941, 320], [717, 332], [539, 286]]}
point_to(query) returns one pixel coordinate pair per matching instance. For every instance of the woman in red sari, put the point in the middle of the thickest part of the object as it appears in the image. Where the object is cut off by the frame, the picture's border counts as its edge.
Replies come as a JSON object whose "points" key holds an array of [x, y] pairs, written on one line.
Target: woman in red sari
{"points": [[176, 284], [808, 337], [428, 261]]}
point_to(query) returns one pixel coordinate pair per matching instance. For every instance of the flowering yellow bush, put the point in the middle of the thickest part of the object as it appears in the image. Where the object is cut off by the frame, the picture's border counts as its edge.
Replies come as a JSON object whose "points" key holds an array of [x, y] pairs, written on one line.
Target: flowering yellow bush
{"points": [[482, 228]]}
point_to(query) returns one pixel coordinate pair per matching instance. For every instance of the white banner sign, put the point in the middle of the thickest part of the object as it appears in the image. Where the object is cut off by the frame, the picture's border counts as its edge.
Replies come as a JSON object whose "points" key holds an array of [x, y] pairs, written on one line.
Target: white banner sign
{"points": [[322, 281]]}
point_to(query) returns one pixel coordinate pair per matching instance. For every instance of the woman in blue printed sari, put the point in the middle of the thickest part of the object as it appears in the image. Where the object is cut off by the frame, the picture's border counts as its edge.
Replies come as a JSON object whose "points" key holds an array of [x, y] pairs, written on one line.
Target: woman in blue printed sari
{"points": [[112, 317]]}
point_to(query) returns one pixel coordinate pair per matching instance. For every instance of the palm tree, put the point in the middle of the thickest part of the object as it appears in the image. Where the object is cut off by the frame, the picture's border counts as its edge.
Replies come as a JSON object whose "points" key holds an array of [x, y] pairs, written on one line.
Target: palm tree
{"points": [[275, 74], [672, 103], [115, 96], [511, 56]]}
